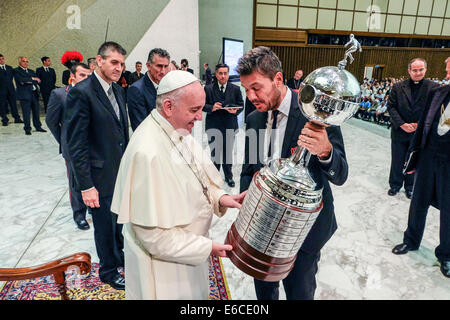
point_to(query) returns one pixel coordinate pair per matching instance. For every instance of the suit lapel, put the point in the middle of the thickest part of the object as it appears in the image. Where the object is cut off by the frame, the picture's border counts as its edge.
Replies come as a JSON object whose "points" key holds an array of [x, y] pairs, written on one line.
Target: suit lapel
{"points": [[294, 121], [101, 94], [435, 105]]}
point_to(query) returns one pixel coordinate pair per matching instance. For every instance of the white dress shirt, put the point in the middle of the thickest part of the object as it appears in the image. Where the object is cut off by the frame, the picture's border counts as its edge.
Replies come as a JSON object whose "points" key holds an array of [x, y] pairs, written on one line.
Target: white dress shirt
{"points": [[279, 132], [282, 120]]}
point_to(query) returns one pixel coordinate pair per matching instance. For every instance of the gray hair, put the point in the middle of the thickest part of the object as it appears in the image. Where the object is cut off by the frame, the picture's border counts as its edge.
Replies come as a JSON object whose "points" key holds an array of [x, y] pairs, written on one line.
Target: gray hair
{"points": [[158, 51], [260, 59], [110, 46], [416, 59], [173, 96]]}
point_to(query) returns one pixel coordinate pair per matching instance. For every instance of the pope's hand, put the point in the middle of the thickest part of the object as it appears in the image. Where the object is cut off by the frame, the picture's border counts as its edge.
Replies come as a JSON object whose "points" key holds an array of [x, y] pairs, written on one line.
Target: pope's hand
{"points": [[219, 249], [91, 198], [232, 201]]}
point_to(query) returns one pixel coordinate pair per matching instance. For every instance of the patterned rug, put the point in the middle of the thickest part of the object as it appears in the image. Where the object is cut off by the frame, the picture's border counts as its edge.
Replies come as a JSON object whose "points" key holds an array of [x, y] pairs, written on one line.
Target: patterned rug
{"points": [[91, 288]]}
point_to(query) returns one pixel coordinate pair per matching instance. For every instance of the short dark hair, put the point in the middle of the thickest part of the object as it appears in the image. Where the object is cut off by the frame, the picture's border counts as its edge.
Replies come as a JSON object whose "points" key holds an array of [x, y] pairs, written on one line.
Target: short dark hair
{"points": [[1, 55], [110, 46], [160, 52], [44, 58], [184, 61], [73, 68], [138, 62], [260, 59], [222, 65]]}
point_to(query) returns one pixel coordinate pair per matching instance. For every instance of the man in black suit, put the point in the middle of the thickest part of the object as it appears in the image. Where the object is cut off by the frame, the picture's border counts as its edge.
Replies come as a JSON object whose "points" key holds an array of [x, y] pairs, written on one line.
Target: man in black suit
{"points": [[142, 94], [7, 93], [405, 105], [27, 93], [48, 80], [295, 82], [432, 186], [208, 77], [92, 64], [54, 120], [137, 75], [221, 120], [96, 127], [277, 107]]}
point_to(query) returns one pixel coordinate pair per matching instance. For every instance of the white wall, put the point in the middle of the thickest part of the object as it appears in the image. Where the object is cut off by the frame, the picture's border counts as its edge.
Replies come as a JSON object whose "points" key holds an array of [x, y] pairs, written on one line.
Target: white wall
{"points": [[175, 30]]}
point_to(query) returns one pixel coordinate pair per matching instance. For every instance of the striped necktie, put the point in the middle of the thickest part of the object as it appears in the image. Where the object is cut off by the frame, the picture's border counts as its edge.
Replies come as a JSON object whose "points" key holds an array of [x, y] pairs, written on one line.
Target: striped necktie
{"points": [[113, 101]]}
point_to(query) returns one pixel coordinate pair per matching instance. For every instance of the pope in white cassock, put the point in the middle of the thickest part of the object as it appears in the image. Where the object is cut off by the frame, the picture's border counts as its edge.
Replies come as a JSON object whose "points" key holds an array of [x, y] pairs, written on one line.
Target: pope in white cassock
{"points": [[166, 191]]}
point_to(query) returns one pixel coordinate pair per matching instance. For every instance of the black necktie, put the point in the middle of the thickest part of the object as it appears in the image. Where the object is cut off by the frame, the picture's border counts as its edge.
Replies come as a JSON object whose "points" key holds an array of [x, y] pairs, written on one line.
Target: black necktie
{"points": [[272, 134], [221, 89]]}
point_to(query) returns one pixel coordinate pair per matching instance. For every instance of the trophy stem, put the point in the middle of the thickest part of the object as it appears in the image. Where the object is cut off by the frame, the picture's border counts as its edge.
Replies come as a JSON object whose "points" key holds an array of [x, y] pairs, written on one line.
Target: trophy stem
{"points": [[294, 169]]}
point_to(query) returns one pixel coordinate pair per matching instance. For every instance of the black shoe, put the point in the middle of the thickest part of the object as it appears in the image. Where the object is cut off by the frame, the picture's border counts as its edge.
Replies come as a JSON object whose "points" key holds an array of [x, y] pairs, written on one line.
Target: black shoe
{"points": [[392, 192], [5, 124], [28, 133], [402, 248], [230, 182], [117, 282], [82, 224], [445, 268], [40, 130], [409, 194], [18, 121]]}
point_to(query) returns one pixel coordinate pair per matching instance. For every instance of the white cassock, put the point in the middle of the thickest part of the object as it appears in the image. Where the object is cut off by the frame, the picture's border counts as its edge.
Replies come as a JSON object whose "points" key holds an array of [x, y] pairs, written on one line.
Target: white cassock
{"points": [[160, 199]]}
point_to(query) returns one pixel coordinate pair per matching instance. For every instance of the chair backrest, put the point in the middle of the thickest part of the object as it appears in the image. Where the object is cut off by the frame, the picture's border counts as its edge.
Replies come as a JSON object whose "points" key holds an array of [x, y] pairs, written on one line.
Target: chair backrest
{"points": [[57, 267]]}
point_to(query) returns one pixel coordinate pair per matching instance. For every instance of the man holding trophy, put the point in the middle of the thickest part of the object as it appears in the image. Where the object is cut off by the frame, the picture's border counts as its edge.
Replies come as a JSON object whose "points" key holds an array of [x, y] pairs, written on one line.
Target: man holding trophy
{"points": [[286, 127]]}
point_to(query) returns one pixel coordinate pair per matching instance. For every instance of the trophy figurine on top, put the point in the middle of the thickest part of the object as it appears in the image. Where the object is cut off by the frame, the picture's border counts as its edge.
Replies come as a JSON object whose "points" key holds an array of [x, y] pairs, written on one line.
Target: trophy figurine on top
{"points": [[283, 200]]}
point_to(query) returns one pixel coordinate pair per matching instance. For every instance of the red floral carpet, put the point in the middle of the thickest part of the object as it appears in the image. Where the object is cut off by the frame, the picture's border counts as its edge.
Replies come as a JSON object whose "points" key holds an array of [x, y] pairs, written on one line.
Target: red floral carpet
{"points": [[91, 288]]}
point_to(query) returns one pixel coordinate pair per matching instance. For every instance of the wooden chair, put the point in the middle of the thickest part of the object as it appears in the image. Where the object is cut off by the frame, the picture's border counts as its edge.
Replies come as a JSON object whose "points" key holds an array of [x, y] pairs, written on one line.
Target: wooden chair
{"points": [[57, 268]]}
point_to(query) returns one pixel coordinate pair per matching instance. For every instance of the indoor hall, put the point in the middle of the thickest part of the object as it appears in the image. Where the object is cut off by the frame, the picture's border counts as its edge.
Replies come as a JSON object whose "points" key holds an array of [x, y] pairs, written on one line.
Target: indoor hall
{"points": [[357, 263]]}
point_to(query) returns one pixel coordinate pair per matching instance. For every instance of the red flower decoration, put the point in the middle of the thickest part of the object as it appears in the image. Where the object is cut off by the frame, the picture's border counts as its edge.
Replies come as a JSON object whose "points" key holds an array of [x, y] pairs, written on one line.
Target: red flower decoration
{"points": [[71, 57]]}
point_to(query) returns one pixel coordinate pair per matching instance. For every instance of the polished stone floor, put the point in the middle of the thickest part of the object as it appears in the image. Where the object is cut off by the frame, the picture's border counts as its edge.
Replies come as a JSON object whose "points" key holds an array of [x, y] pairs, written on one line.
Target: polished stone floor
{"points": [[36, 221]]}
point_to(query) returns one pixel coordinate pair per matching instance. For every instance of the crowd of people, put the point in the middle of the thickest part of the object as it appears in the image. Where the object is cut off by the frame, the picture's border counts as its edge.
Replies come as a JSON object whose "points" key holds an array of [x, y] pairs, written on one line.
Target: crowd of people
{"points": [[375, 97]]}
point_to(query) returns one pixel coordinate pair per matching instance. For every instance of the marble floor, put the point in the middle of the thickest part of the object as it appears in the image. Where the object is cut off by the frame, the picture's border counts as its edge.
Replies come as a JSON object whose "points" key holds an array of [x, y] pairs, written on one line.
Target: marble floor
{"points": [[36, 222]]}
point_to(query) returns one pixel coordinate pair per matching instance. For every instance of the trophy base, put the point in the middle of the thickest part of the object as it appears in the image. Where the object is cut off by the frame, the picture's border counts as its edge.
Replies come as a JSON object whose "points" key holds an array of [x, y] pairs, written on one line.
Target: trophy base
{"points": [[255, 263]]}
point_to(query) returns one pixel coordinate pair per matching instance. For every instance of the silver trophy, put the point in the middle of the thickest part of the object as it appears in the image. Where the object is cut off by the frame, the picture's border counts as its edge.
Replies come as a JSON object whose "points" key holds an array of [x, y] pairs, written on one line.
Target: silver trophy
{"points": [[283, 200]]}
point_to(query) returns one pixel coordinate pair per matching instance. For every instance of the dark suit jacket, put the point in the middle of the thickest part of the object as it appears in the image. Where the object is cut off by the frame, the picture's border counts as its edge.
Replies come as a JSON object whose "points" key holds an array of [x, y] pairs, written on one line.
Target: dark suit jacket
{"points": [[400, 107], [54, 117], [96, 139], [135, 77], [437, 96], [249, 108], [292, 84], [6, 81], [222, 119], [24, 83], [208, 76], [66, 77], [48, 79], [335, 172], [141, 98]]}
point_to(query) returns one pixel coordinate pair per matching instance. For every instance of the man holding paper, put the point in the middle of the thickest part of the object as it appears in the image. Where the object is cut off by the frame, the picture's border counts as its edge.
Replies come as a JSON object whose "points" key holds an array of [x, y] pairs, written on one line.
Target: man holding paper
{"points": [[223, 104]]}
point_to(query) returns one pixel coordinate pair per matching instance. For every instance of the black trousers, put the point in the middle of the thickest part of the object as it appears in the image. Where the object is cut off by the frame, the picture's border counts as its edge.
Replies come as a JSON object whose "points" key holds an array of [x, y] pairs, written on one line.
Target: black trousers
{"points": [[398, 157], [31, 107], [8, 99], [108, 239], [221, 146], [300, 284], [431, 187], [76, 200], [45, 98]]}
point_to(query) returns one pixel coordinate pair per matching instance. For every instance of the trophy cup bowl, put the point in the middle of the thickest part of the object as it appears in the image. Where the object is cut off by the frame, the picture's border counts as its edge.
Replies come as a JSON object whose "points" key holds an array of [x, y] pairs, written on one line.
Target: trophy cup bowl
{"points": [[283, 200]]}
